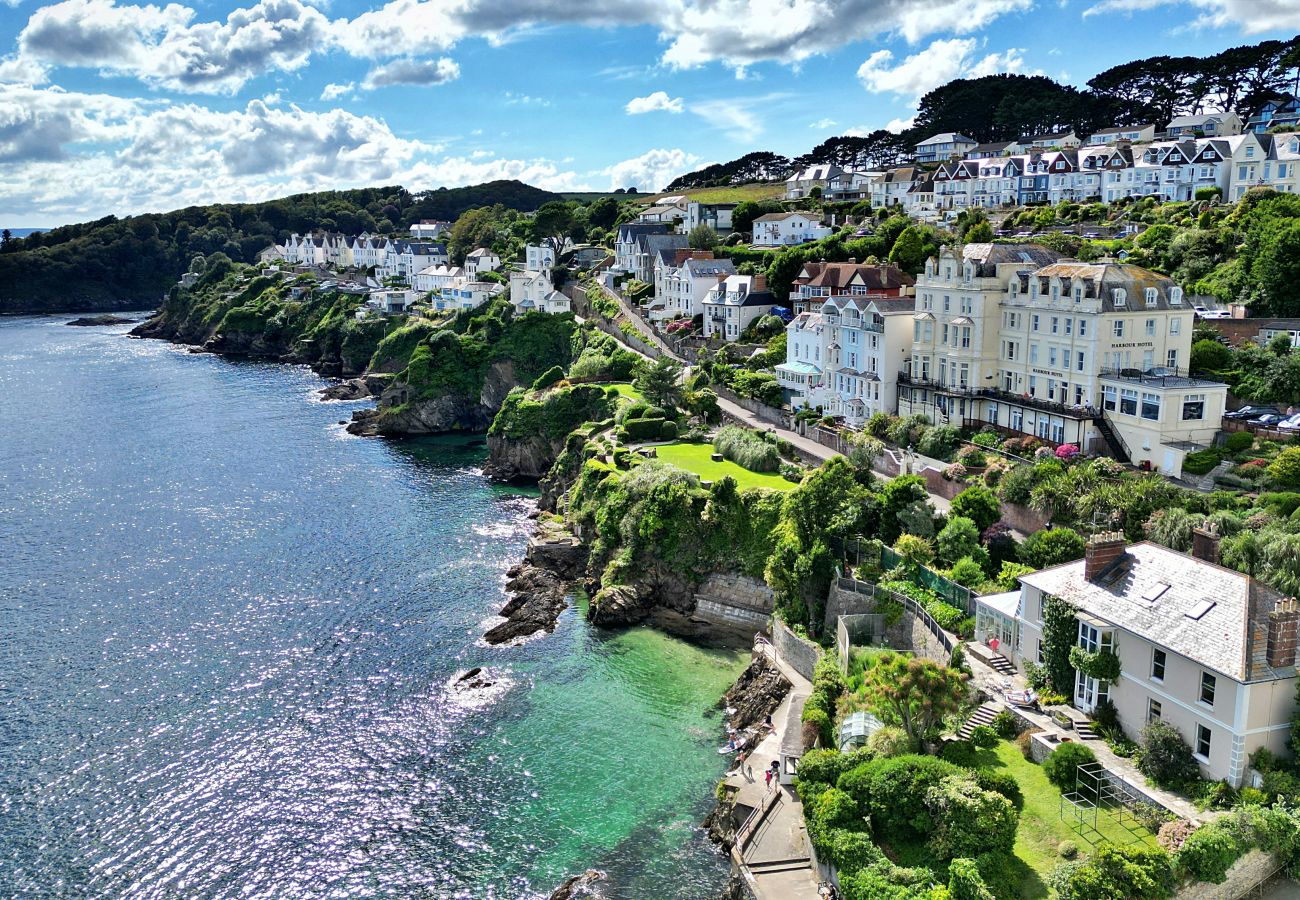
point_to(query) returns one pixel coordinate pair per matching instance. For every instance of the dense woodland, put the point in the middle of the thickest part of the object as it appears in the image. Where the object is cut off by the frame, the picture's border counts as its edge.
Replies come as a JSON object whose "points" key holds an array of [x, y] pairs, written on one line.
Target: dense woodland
{"points": [[1006, 107], [127, 262]]}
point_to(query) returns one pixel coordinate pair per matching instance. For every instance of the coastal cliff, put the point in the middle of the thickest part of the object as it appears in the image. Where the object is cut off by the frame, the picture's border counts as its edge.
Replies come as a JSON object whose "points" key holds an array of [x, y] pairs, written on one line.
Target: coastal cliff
{"points": [[428, 375], [530, 430]]}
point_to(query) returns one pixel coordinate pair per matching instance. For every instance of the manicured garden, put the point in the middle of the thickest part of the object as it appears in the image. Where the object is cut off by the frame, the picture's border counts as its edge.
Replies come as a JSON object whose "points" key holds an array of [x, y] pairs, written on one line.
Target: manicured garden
{"points": [[625, 389], [697, 458]]}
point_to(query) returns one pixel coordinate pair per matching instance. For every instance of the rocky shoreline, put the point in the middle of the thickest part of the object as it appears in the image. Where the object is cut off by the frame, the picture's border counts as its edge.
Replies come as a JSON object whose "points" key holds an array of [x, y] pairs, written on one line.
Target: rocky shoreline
{"points": [[104, 319], [540, 584]]}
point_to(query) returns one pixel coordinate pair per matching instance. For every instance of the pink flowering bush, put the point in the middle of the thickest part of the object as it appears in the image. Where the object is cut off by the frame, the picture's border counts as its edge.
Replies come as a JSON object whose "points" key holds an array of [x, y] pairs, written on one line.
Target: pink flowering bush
{"points": [[1067, 452]]}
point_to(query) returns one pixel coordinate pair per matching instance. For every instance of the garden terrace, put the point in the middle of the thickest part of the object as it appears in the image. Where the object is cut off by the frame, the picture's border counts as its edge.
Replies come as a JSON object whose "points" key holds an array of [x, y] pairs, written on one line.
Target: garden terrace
{"points": [[698, 459]]}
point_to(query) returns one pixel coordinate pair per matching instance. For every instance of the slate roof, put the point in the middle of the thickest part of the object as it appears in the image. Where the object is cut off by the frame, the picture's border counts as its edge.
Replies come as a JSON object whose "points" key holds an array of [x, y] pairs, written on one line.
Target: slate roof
{"points": [[987, 256], [1100, 280], [1225, 638], [710, 266]]}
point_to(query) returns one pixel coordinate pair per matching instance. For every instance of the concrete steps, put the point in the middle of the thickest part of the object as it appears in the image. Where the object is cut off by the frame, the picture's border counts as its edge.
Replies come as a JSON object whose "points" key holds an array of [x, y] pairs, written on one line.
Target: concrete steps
{"points": [[1084, 730], [1001, 664], [982, 716]]}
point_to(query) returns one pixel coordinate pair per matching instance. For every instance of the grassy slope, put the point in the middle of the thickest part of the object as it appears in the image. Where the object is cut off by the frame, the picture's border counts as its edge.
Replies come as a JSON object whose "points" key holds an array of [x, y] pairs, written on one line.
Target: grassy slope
{"points": [[624, 389], [733, 194], [695, 458]]}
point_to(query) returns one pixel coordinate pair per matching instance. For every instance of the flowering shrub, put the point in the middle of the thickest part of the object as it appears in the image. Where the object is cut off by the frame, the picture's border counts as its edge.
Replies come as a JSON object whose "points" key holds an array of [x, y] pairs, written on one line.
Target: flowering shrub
{"points": [[954, 472], [1043, 453], [1067, 452], [678, 326]]}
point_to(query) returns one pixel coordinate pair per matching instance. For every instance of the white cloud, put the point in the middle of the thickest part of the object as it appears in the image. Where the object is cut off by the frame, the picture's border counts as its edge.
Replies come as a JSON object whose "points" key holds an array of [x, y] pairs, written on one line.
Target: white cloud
{"points": [[898, 126], [937, 64], [20, 70], [334, 91], [67, 156], [513, 99], [822, 124], [659, 101], [1251, 16], [412, 71], [651, 170], [163, 46], [740, 117]]}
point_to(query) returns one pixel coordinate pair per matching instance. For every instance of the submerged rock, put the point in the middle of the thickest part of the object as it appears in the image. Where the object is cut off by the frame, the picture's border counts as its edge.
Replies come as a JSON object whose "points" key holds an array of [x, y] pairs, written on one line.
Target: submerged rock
{"points": [[585, 885], [105, 319]]}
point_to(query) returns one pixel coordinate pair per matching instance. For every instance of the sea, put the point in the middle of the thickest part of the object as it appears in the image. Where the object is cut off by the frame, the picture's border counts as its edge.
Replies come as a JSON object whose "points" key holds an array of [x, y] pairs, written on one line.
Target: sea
{"points": [[229, 636]]}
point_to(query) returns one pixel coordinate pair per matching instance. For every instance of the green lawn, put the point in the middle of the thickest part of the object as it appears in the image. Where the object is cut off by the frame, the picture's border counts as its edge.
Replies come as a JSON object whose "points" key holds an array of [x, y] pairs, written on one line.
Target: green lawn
{"points": [[1041, 827], [695, 458], [625, 389]]}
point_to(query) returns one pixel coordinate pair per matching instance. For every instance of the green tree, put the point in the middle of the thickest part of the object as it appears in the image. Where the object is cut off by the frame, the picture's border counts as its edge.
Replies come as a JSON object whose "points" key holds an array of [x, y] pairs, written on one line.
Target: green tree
{"points": [[979, 504], [1210, 356], [959, 538], [909, 251], [660, 383], [914, 693], [602, 213], [552, 224], [1280, 344], [702, 237], [1052, 547], [1284, 470], [979, 233]]}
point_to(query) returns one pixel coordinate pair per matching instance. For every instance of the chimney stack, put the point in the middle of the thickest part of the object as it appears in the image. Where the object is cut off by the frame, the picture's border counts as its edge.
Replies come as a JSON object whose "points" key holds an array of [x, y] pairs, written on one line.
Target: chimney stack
{"points": [[759, 284], [1283, 624], [1205, 543], [1103, 549]]}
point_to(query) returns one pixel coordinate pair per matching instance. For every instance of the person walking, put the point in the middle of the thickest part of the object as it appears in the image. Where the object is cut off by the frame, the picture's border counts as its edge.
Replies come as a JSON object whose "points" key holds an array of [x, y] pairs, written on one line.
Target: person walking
{"points": [[767, 780]]}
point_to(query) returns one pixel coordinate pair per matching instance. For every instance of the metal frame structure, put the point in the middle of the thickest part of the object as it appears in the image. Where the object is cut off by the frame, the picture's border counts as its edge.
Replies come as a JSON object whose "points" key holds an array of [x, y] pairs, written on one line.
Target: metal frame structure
{"points": [[1096, 789]]}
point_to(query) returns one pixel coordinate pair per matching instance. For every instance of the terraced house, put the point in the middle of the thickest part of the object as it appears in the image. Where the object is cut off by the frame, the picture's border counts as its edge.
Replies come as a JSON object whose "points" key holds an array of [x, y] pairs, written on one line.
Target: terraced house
{"points": [[1091, 354]]}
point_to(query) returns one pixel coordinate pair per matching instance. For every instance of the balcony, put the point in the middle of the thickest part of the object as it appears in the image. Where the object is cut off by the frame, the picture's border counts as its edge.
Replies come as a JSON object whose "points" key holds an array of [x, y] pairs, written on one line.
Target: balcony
{"points": [[1081, 413], [1161, 377]]}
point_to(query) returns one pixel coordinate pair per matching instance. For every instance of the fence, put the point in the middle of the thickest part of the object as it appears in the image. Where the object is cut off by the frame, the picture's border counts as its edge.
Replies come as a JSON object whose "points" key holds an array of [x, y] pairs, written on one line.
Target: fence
{"points": [[950, 591], [910, 607]]}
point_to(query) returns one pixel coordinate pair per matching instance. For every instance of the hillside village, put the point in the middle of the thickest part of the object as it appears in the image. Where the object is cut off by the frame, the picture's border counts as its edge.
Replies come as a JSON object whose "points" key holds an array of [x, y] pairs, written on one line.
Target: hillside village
{"points": [[1075, 501]]}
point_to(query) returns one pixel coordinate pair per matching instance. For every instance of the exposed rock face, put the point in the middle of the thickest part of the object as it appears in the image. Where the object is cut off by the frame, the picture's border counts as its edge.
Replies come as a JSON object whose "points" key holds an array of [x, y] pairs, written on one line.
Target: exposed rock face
{"points": [[585, 885], [400, 412], [105, 319], [654, 585], [360, 388], [514, 460], [539, 586], [757, 693]]}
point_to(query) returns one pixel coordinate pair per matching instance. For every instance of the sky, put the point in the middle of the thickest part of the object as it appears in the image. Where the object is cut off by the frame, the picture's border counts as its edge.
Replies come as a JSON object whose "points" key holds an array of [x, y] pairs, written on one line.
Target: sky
{"points": [[114, 106]]}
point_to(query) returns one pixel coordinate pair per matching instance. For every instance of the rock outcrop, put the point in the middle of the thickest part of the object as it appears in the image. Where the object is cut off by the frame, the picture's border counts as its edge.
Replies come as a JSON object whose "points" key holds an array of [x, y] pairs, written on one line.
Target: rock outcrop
{"points": [[401, 411], [585, 885], [360, 388], [516, 460], [539, 586], [653, 585], [105, 319]]}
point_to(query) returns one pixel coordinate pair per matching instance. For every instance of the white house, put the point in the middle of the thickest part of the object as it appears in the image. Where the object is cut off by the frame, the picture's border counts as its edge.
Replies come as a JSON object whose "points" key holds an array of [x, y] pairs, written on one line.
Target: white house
{"points": [[866, 337], [481, 260], [734, 303], [1208, 650], [1215, 124], [435, 278], [715, 215], [681, 285], [801, 183], [429, 229], [625, 243], [1133, 134], [465, 293], [539, 258], [940, 147], [1057, 140], [392, 301], [533, 290], [788, 228]]}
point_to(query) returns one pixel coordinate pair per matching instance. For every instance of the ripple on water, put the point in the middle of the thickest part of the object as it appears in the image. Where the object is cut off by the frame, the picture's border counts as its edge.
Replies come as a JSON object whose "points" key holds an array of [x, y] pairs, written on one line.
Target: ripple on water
{"points": [[230, 634]]}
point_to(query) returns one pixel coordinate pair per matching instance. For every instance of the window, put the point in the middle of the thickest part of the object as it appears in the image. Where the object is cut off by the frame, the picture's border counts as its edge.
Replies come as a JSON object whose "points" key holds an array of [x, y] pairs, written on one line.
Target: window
{"points": [[1033, 322], [1193, 407], [1153, 710], [1069, 326], [1083, 328], [1151, 406], [1056, 325], [1128, 402], [1118, 328], [1080, 365], [1175, 296], [1151, 327], [1120, 296], [1152, 296], [1175, 325], [1208, 683], [1051, 357], [1171, 358], [1202, 741], [1108, 397], [1158, 665]]}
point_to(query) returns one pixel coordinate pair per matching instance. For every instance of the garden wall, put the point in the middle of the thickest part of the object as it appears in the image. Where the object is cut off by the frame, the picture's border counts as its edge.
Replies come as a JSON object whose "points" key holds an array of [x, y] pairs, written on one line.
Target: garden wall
{"points": [[848, 597], [734, 600], [769, 414], [1246, 874], [800, 654]]}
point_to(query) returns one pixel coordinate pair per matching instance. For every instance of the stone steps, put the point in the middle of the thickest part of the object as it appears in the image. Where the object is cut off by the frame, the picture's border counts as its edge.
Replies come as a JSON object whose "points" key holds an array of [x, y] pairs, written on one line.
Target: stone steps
{"points": [[1001, 664], [982, 716], [1084, 730]]}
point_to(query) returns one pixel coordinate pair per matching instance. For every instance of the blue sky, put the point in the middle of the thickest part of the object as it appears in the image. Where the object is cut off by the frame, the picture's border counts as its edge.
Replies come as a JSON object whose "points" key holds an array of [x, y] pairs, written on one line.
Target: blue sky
{"points": [[113, 106]]}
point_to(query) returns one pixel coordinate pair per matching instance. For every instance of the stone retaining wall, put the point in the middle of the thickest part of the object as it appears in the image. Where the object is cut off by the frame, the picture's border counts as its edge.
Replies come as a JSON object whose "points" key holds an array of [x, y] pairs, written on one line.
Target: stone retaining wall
{"points": [[734, 600], [1246, 874], [800, 654], [908, 633]]}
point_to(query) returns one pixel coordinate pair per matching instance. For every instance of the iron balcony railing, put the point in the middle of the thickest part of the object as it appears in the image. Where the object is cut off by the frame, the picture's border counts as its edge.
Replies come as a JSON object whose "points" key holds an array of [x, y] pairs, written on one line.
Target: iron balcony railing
{"points": [[1081, 411]]}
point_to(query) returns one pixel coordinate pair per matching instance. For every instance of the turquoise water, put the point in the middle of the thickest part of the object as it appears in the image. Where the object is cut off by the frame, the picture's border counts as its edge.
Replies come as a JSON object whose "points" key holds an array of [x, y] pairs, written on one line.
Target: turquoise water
{"points": [[227, 632]]}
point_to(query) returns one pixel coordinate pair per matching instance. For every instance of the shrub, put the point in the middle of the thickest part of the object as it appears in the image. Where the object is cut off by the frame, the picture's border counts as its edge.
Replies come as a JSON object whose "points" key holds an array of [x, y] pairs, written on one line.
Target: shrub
{"points": [[822, 766], [642, 429], [887, 742], [1024, 745], [898, 786], [835, 809], [1284, 470], [668, 431], [1239, 441], [1006, 724], [967, 572], [965, 881], [1067, 849], [1061, 768], [984, 737], [1165, 757], [1208, 853], [968, 820], [747, 448], [915, 550], [959, 538], [1130, 872], [959, 753], [821, 720], [939, 441], [1000, 782], [1199, 462], [1052, 547], [548, 378], [1174, 834], [1067, 451], [979, 504]]}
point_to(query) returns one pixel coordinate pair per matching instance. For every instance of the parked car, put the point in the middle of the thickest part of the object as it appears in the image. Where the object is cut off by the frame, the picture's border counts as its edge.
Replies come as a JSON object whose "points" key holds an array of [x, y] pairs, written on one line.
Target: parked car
{"points": [[1290, 423], [1093, 235], [1250, 412], [1023, 234], [1268, 420]]}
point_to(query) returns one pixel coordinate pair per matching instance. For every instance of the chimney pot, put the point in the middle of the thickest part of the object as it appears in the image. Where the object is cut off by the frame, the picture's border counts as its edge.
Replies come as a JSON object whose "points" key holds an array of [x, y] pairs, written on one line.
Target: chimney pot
{"points": [[853, 260], [1103, 549], [1283, 627]]}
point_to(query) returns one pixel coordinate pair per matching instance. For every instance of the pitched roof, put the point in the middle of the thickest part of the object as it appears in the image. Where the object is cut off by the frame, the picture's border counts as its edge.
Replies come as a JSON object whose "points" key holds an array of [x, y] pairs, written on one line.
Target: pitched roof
{"points": [[1162, 595], [946, 137], [782, 216], [837, 275]]}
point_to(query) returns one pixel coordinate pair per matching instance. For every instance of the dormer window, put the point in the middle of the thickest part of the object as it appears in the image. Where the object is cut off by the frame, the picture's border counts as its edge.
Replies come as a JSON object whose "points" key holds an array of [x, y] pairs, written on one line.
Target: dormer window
{"points": [[1120, 296], [1152, 297], [1078, 293], [1175, 296]]}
